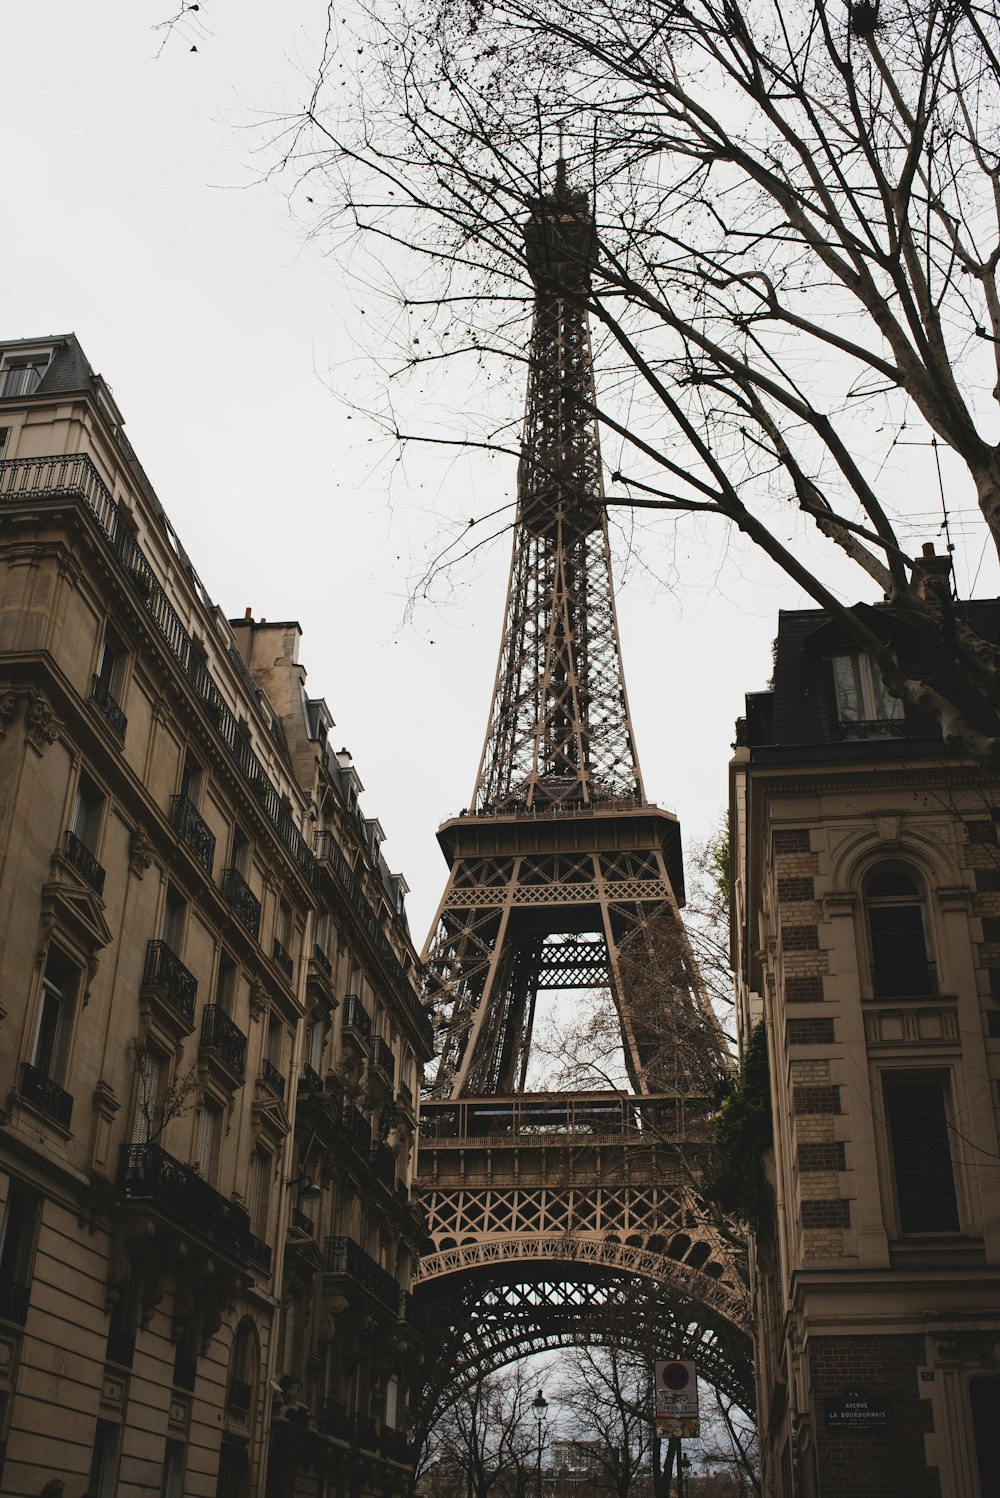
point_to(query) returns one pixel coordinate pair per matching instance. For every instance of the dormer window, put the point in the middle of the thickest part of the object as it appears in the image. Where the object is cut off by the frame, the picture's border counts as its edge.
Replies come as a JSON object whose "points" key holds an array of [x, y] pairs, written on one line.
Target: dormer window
{"points": [[863, 705], [22, 373]]}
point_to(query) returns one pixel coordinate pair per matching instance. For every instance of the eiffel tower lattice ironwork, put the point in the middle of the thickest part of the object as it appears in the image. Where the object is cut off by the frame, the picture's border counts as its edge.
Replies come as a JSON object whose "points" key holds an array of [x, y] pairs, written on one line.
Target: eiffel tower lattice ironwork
{"points": [[569, 1215]]}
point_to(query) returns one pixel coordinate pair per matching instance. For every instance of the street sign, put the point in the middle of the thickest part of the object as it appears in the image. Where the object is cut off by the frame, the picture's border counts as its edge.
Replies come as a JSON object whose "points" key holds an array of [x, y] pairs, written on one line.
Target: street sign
{"points": [[855, 1411], [675, 1386]]}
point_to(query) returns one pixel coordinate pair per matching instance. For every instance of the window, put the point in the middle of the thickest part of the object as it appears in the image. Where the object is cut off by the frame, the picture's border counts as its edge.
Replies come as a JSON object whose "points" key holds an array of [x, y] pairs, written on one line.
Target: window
{"points": [[151, 1067], [192, 777], [895, 916], [174, 918], [174, 1462], [392, 1403], [261, 1170], [314, 1043], [112, 663], [862, 699], [243, 1371], [984, 1402], [283, 925], [60, 987], [225, 984], [22, 375], [209, 1140], [104, 1462], [273, 1042], [916, 1111], [239, 858], [88, 805], [17, 1251]]}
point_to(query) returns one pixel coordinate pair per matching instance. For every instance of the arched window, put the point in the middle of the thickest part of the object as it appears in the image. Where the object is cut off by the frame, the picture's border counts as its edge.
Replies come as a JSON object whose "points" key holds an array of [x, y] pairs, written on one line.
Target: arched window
{"points": [[894, 910]]}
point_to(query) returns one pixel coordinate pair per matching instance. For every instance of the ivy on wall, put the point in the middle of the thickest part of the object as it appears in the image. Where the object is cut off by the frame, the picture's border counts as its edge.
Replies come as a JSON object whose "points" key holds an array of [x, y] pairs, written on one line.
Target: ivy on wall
{"points": [[742, 1133]]}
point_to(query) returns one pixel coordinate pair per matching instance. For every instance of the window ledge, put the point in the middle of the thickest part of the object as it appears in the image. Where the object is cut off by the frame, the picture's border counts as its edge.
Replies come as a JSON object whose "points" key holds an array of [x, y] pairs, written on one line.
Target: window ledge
{"points": [[932, 1250]]}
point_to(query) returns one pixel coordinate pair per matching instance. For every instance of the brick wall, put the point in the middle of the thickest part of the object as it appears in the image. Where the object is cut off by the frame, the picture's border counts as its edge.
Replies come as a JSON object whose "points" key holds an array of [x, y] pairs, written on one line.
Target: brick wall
{"points": [[891, 1463], [810, 1031]]}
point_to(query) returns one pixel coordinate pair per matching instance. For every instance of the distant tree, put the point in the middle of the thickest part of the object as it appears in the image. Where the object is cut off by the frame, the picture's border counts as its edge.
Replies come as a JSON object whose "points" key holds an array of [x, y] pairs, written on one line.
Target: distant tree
{"points": [[605, 1397], [485, 1433]]}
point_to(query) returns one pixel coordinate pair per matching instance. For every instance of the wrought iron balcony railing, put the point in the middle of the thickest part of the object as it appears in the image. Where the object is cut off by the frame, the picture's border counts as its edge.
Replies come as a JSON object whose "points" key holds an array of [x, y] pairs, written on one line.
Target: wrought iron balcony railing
{"points": [[166, 973], [323, 960], [283, 959], [359, 1128], [259, 1253], [383, 1058], [357, 1019], [14, 1299], [904, 977], [393, 1446], [301, 1223], [86, 865], [241, 900], [221, 1037], [384, 1164], [333, 1420], [272, 1078], [148, 1174], [109, 709], [193, 830], [406, 1093], [363, 1432], [344, 1256], [310, 1080], [46, 1095]]}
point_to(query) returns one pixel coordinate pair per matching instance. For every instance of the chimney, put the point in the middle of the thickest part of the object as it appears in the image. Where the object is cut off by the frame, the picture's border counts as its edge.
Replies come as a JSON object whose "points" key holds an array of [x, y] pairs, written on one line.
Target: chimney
{"points": [[932, 575]]}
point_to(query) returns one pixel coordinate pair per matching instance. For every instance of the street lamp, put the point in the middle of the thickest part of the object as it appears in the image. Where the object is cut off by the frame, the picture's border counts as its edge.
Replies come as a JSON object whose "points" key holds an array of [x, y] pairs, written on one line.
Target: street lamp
{"points": [[539, 1404], [685, 1467]]}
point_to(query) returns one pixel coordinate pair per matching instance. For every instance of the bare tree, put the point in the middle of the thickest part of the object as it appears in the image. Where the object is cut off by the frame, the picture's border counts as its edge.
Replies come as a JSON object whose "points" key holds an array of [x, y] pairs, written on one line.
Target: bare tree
{"points": [[791, 270], [607, 1393], [483, 1441]]}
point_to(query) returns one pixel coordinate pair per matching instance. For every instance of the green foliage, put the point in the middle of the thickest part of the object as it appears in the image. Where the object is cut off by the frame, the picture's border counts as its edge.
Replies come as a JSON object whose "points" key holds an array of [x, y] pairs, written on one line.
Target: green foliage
{"points": [[719, 863], [741, 1136]]}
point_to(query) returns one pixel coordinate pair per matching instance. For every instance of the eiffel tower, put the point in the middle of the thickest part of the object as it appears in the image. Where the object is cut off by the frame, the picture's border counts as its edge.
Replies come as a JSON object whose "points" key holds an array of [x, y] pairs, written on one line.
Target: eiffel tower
{"points": [[567, 1217]]}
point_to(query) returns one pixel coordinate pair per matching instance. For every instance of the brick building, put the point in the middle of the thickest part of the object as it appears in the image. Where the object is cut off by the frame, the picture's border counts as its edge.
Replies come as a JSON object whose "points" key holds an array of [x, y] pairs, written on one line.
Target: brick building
{"points": [[211, 1038], [866, 884]]}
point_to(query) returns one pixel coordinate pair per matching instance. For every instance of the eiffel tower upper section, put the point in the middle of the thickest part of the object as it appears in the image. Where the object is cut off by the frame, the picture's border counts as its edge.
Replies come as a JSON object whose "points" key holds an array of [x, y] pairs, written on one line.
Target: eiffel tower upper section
{"points": [[562, 875]]}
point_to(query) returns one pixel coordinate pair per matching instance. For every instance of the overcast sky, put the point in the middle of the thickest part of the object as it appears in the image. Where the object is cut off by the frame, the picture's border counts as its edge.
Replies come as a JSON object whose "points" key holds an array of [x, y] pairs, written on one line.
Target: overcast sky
{"points": [[135, 216]]}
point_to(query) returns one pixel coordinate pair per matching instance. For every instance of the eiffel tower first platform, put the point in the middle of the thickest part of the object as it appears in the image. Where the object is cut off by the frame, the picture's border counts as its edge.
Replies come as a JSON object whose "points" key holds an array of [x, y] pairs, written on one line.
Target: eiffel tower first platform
{"points": [[564, 1218]]}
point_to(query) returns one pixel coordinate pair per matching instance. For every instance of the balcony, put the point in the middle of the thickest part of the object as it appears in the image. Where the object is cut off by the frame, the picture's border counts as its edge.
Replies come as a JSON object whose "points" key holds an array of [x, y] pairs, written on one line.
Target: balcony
{"points": [[282, 959], [394, 1447], [86, 865], [108, 709], [363, 1432], [309, 1079], [178, 1193], [357, 1021], [359, 1128], [384, 1165], [241, 900], [383, 1059], [167, 976], [272, 1078], [322, 961], [301, 1223], [904, 977], [333, 1420], [344, 1256], [259, 1253], [193, 830], [221, 1038], [406, 1095], [14, 1299], [45, 1095]]}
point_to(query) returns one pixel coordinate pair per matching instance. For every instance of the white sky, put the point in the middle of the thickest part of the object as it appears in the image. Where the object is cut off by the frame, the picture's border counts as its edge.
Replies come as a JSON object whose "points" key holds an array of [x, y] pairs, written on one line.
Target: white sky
{"points": [[135, 217]]}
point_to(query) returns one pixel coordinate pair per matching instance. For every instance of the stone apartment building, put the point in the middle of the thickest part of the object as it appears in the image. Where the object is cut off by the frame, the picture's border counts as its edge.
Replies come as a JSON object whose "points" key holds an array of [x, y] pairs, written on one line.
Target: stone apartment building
{"points": [[211, 1037], [866, 919]]}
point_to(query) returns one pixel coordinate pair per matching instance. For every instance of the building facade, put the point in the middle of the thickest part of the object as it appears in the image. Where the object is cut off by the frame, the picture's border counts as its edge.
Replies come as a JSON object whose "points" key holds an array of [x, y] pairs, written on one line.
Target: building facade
{"points": [[211, 1037], [866, 889]]}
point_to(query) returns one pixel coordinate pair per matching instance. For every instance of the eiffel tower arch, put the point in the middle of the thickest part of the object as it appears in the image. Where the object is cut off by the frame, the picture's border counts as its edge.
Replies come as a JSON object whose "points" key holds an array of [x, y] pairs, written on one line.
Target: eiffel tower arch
{"points": [[568, 1217]]}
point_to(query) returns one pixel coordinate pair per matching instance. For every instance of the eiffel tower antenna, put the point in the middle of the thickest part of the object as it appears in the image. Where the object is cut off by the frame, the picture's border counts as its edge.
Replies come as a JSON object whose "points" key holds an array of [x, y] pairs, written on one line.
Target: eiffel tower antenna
{"points": [[563, 876]]}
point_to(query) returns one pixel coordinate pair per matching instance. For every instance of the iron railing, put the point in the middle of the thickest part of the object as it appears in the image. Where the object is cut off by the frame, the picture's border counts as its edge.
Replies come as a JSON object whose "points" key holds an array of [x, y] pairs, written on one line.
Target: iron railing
{"points": [[14, 1299], [241, 900], [147, 1173], [363, 1432], [224, 1038], [406, 1093], [904, 977], [310, 1080], [542, 1118], [86, 865], [356, 1018], [384, 1164], [283, 959], [383, 1058], [323, 960], [193, 830], [344, 1256], [166, 973], [394, 1447], [272, 1078], [333, 1420], [47, 1096], [359, 1128], [109, 709], [302, 1223], [259, 1253]]}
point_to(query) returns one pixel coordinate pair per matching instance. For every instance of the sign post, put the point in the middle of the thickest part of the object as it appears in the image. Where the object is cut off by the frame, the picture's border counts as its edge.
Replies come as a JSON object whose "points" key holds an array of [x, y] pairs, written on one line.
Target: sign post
{"points": [[675, 1392]]}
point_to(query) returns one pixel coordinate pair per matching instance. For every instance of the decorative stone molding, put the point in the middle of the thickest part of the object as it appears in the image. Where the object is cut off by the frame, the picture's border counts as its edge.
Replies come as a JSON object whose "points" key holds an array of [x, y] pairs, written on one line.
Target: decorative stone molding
{"points": [[43, 727], [140, 853], [8, 707], [258, 999]]}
